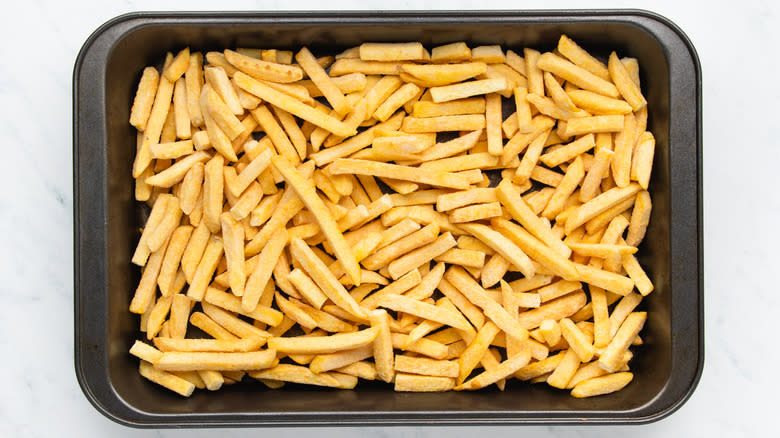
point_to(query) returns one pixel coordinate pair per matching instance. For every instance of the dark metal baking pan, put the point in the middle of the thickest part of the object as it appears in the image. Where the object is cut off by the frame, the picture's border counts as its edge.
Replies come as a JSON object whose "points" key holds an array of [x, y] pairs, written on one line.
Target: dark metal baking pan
{"points": [[667, 367]]}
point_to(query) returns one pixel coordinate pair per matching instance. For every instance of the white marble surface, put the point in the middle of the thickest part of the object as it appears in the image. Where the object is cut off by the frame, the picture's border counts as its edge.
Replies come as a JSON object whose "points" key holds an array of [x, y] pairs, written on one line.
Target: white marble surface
{"points": [[737, 42]]}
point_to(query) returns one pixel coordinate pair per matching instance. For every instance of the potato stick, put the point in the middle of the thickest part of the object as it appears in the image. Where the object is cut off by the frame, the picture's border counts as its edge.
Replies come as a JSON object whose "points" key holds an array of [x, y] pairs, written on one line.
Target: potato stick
{"points": [[232, 303], [502, 246], [555, 91], [417, 257], [474, 292], [520, 141], [323, 344], [398, 286], [259, 69], [642, 159], [601, 250], [193, 78], [265, 209], [179, 314], [528, 284], [598, 104], [449, 53], [463, 162], [426, 367], [200, 140], [395, 101], [323, 82], [577, 341], [157, 316], [217, 59], [569, 151], [625, 84], [474, 244], [452, 147], [599, 169], [197, 361], [310, 291], [476, 349], [600, 204], [165, 379], [422, 346], [145, 352], [551, 331], [383, 346], [464, 122], [328, 362], [275, 132], [439, 75], [505, 369], [233, 243], [346, 84], [640, 218], [475, 212], [213, 184], [462, 90], [262, 273], [463, 257], [565, 370], [471, 105], [605, 280], [291, 105], [594, 124], [624, 144], [246, 203], [472, 312], [604, 218], [400, 303], [294, 312], [392, 51], [154, 125], [296, 374], [228, 322], [559, 308], [532, 72], [423, 176], [602, 385], [637, 274], [323, 277], [558, 289], [564, 190], [611, 357], [326, 321], [173, 253], [216, 115], [361, 369], [413, 383], [328, 226], [194, 250], [576, 75], [208, 345], [494, 270], [206, 268], [219, 81], [621, 311], [144, 98], [523, 112], [251, 172]]}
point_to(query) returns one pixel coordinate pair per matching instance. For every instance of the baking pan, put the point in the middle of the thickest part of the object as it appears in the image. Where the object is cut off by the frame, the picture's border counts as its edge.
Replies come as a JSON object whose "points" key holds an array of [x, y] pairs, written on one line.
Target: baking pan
{"points": [[106, 219]]}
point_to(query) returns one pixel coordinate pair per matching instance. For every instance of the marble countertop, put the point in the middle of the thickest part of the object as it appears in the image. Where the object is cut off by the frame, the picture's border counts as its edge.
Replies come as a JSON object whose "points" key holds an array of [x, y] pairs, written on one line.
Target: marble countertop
{"points": [[737, 43]]}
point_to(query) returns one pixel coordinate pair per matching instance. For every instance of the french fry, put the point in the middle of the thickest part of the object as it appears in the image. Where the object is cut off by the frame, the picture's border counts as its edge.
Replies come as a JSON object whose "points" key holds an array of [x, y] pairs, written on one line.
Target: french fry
{"points": [[171, 261], [610, 358], [474, 292], [465, 122], [600, 204], [642, 159], [296, 374], [262, 313], [520, 140], [361, 167], [392, 52], [503, 246], [637, 274], [440, 75], [332, 361], [565, 370], [208, 345], [201, 361], [154, 125], [144, 98], [621, 311], [624, 145], [310, 291], [598, 104], [413, 259], [323, 344], [523, 113], [383, 345], [463, 90], [640, 218], [168, 380], [576, 75], [400, 303], [449, 53], [414, 383], [425, 367], [532, 72], [625, 84], [602, 385], [233, 243], [557, 309], [577, 340], [502, 371]]}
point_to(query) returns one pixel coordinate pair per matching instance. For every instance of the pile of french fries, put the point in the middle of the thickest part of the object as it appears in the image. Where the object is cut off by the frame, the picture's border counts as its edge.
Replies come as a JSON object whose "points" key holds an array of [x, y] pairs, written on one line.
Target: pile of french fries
{"points": [[319, 220]]}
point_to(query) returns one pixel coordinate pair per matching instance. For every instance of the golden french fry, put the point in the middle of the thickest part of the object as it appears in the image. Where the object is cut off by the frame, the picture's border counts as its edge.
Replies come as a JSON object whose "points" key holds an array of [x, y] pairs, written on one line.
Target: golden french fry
{"points": [[449, 53], [144, 98], [502, 371], [576, 75], [598, 104], [332, 361], [208, 345], [439, 75], [197, 361], [625, 84], [642, 159], [424, 254], [296, 374], [602, 385], [173, 254], [392, 51], [612, 355], [425, 367], [323, 344], [413, 383], [168, 380], [467, 89], [383, 345], [565, 370], [600, 204]]}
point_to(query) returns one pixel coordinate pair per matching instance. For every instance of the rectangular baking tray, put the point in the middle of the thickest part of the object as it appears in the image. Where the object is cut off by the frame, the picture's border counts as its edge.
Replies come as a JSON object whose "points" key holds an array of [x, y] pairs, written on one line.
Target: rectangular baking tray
{"points": [[107, 218]]}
